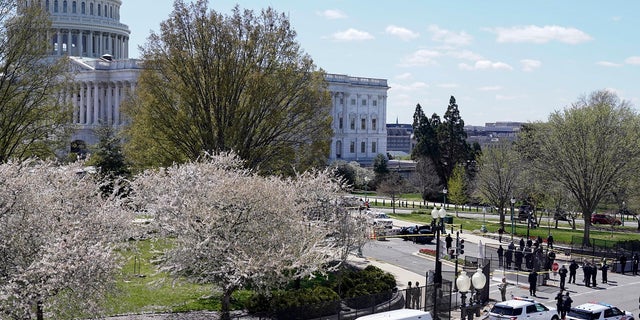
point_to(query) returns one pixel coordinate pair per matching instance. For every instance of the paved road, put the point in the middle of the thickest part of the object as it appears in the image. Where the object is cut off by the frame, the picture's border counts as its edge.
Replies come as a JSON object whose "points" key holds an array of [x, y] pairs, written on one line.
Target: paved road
{"points": [[622, 290]]}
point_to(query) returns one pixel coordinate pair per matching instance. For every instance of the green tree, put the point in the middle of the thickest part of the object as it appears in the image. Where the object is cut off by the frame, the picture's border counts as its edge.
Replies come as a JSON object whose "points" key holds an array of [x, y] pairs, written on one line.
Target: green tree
{"points": [[427, 144], [380, 166], [499, 170], [215, 83], [587, 148], [392, 185], [452, 139], [108, 158], [457, 187], [33, 115]]}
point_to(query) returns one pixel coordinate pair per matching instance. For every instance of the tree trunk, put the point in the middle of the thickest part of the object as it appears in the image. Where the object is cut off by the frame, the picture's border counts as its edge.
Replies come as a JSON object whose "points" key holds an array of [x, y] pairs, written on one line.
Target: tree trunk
{"points": [[39, 311], [225, 310]]}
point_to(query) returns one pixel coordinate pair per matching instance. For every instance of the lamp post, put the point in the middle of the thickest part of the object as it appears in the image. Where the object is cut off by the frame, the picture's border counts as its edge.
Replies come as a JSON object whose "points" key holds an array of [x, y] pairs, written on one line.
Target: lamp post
{"points": [[483, 228], [366, 188], [444, 192], [513, 202], [437, 277], [478, 280], [528, 222]]}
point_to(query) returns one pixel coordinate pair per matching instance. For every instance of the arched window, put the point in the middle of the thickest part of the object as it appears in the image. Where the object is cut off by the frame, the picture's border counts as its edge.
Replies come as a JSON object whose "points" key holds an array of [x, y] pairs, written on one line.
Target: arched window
{"points": [[99, 10], [111, 12], [83, 8], [74, 7], [55, 6], [91, 8], [47, 5], [64, 6]]}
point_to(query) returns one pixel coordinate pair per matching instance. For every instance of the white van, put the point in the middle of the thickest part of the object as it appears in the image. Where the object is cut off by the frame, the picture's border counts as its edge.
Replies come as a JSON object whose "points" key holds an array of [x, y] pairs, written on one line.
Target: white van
{"points": [[401, 314]]}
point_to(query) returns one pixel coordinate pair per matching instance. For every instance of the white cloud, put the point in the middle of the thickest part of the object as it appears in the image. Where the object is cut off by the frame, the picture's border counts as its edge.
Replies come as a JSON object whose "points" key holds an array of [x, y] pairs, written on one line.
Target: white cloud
{"points": [[352, 35], [402, 33], [490, 88], [465, 54], [332, 14], [404, 76], [484, 65], [536, 34], [408, 88], [448, 85], [608, 64], [633, 60], [449, 37], [529, 65], [421, 58]]}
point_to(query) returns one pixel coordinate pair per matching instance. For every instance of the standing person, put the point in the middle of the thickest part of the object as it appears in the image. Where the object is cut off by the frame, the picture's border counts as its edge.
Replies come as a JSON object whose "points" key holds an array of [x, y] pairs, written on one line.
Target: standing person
{"points": [[519, 256], [508, 256], [550, 241], [529, 243], [586, 271], [563, 276], [503, 289], [623, 262], [551, 257], [500, 255], [500, 232], [559, 302], [521, 244], [573, 268], [408, 294], [448, 240], [533, 281], [604, 268], [594, 274], [635, 264], [566, 304], [417, 295]]}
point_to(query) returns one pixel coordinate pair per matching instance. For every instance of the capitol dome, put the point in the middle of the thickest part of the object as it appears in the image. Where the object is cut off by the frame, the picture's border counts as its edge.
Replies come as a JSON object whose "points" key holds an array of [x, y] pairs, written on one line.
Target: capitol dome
{"points": [[86, 28]]}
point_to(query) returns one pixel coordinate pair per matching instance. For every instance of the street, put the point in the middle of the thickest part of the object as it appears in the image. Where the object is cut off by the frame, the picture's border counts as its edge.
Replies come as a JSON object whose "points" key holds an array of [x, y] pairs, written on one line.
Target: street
{"points": [[622, 291]]}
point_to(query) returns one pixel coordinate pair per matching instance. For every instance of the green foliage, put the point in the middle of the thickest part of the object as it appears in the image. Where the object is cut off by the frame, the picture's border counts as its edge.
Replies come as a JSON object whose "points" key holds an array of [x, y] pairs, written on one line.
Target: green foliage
{"points": [[457, 186], [236, 83], [380, 166], [371, 280]]}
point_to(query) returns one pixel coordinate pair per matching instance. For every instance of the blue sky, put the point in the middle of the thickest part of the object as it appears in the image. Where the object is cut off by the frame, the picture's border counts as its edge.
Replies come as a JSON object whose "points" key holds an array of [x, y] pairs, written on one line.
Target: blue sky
{"points": [[503, 60]]}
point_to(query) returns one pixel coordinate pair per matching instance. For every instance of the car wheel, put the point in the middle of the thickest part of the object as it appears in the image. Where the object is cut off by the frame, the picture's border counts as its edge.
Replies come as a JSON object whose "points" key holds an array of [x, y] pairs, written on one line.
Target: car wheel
{"points": [[555, 318]]}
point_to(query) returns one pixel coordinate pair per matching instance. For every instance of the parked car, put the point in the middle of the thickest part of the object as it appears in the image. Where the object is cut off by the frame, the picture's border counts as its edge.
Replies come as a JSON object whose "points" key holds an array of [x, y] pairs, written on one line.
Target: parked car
{"points": [[598, 311], [381, 219], [419, 234], [522, 309], [605, 219]]}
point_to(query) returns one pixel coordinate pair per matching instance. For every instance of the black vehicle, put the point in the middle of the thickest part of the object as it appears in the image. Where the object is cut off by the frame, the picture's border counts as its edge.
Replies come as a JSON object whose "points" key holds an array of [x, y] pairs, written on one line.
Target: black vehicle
{"points": [[422, 234]]}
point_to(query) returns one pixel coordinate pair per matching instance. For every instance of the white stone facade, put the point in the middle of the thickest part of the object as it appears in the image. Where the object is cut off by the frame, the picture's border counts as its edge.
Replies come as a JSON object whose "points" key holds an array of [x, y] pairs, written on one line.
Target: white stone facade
{"points": [[359, 118]]}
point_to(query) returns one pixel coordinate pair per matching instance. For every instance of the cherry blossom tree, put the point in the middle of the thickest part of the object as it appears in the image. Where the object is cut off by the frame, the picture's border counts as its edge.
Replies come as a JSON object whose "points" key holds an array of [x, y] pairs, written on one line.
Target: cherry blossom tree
{"points": [[234, 228], [56, 241]]}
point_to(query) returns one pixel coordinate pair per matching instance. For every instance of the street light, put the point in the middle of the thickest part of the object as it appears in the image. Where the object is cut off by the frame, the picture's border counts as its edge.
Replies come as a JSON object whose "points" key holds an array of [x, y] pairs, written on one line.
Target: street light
{"points": [[437, 278], [478, 280], [444, 192], [513, 202]]}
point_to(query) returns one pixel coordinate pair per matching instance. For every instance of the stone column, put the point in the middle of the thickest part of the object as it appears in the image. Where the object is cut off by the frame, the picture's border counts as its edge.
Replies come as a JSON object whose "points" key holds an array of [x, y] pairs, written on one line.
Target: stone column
{"points": [[116, 105], [83, 107], [90, 44], [80, 44], [96, 103], [109, 108], [59, 41], [69, 43]]}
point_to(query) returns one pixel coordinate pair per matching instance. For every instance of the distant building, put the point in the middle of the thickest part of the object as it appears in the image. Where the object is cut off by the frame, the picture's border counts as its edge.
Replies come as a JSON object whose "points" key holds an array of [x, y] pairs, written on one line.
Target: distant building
{"points": [[493, 133], [400, 140], [359, 118]]}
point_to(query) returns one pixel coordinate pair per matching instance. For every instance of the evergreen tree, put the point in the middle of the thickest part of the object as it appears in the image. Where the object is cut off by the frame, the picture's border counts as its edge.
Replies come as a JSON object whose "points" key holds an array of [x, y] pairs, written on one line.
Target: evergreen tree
{"points": [[109, 158], [452, 139]]}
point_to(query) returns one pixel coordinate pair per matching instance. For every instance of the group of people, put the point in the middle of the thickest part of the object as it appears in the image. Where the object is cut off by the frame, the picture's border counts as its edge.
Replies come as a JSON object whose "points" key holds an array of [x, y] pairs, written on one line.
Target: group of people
{"points": [[530, 253], [413, 296], [634, 263]]}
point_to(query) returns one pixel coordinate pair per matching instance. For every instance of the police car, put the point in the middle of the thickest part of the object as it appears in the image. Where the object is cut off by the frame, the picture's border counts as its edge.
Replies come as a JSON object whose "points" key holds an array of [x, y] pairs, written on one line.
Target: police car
{"points": [[598, 311], [521, 309]]}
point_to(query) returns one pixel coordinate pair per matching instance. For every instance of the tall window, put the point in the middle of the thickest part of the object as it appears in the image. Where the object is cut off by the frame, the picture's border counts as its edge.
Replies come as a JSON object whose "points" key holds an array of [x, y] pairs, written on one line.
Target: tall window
{"points": [[363, 147], [363, 124], [99, 10], [364, 102], [64, 6], [353, 102], [55, 6], [374, 124], [374, 103], [341, 101], [338, 149], [83, 8], [353, 124], [352, 147], [91, 8], [74, 7], [340, 123], [373, 147]]}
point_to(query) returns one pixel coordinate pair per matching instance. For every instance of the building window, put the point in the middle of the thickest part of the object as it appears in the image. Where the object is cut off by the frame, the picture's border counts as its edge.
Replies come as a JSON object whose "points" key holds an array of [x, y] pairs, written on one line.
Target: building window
{"points": [[353, 124], [374, 124], [364, 102], [341, 101], [83, 8], [99, 10], [64, 6], [363, 147], [55, 6], [91, 8], [74, 7], [373, 147], [353, 102], [352, 147], [338, 149], [374, 103], [363, 124], [340, 125]]}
